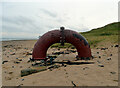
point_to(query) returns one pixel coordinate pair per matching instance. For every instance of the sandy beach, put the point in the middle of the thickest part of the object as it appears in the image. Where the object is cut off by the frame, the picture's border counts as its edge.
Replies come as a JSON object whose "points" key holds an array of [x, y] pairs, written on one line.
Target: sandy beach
{"points": [[104, 71]]}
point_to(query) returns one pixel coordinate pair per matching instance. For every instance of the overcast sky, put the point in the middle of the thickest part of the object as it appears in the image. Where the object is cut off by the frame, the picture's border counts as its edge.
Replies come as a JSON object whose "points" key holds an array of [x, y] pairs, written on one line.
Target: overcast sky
{"points": [[34, 18]]}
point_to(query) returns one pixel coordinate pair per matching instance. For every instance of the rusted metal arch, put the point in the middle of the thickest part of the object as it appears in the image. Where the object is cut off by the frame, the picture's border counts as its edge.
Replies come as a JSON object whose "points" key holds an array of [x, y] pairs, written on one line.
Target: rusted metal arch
{"points": [[60, 36]]}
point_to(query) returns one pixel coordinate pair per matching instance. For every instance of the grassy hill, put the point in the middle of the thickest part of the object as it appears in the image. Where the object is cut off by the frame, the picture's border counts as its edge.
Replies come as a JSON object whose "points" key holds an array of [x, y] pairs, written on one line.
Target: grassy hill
{"points": [[108, 33]]}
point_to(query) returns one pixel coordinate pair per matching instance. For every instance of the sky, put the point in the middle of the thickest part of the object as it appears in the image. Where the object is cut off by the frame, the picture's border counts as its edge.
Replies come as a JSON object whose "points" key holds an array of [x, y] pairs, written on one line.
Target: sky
{"points": [[33, 18]]}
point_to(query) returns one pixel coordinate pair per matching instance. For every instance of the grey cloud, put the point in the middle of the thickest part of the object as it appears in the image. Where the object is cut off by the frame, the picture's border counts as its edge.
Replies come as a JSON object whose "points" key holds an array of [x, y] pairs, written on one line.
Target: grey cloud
{"points": [[49, 13]]}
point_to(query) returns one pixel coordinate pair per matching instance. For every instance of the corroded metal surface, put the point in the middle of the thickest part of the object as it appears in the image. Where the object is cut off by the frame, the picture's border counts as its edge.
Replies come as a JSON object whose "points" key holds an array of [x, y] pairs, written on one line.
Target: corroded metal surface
{"points": [[54, 36]]}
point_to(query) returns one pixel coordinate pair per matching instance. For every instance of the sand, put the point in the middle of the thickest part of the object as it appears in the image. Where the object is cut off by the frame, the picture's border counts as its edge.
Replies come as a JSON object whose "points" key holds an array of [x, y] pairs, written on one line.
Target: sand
{"points": [[104, 71]]}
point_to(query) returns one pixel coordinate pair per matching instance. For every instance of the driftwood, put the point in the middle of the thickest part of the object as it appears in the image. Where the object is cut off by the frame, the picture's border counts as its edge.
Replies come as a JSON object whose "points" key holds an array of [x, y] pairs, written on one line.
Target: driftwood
{"points": [[29, 71]]}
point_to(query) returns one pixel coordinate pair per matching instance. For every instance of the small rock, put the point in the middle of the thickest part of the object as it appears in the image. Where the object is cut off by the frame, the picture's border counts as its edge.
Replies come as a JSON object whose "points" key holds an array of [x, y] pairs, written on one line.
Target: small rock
{"points": [[98, 61], [4, 61], [104, 48], [12, 66], [110, 54], [22, 79], [20, 59], [101, 65], [109, 59], [99, 56], [65, 65], [16, 62], [116, 45], [12, 54], [113, 72], [10, 72], [85, 68], [97, 52]]}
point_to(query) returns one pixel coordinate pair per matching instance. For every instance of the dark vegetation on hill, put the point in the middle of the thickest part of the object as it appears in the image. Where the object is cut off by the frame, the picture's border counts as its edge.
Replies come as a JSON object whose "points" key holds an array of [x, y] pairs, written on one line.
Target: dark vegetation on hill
{"points": [[107, 33]]}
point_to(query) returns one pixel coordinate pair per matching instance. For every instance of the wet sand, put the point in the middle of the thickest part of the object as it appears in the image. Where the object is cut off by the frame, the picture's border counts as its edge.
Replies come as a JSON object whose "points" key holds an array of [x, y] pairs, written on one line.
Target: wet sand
{"points": [[104, 71]]}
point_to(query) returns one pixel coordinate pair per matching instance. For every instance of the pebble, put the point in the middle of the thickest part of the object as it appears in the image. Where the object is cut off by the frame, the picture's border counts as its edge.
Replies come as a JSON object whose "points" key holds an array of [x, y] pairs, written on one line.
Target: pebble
{"points": [[22, 79], [85, 68], [97, 52], [4, 62], [116, 45], [10, 72], [13, 54], [109, 59], [113, 72], [16, 62], [99, 56], [110, 54], [101, 65], [104, 48]]}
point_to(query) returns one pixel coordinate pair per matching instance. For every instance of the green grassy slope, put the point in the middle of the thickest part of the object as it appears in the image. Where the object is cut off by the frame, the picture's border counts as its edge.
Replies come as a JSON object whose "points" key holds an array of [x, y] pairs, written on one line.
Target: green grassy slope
{"points": [[108, 33]]}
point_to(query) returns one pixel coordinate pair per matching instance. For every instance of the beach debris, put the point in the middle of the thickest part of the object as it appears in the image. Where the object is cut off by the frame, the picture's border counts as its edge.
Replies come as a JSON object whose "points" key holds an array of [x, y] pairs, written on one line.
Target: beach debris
{"points": [[109, 59], [22, 79], [98, 61], [85, 68], [58, 53], [97, 52], [28, 53], [73, 83], [73, 51], [101, 65], [10, 72], [116, 45], [54, 66], [12, 66], [29, 71], [8, 46], [17, 62], [104, 48], [12, 54], [113, 72], [110, 54], [4, 61]]}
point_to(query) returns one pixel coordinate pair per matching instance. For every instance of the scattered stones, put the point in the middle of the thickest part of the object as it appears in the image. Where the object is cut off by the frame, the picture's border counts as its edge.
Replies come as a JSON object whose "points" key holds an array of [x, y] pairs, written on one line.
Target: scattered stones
{"points": [[101, 65], [12, 54], [85, 68], [22, 79], [104, 48], [28, 53], [98, 61], [73, 51], [4, 61], [20, 59], [113, 72], [54, 66], [12, 66], [97, 52], [73, 83], [16, 62], [109, 59], [116, 45], [29, 71], [10, 72], [110, 54]]}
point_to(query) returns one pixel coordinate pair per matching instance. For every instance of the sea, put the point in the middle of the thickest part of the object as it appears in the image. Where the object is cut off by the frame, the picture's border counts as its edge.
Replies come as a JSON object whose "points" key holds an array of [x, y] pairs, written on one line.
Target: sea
{"points": [[9, 39]]}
